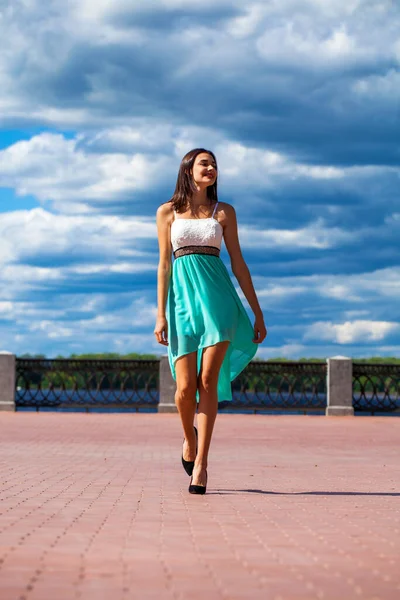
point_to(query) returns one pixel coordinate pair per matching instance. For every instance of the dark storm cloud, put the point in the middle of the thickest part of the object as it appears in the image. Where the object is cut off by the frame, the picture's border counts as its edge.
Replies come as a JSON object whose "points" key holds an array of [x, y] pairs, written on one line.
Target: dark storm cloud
{"points": [[164, 19], [188, 67]]}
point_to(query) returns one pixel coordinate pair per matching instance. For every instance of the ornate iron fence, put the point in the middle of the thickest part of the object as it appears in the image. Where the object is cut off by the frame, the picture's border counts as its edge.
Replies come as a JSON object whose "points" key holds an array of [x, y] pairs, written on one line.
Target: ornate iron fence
{"points": [[280, 386], [73, 383], [87, 383], [135, 384], [376, 387]]}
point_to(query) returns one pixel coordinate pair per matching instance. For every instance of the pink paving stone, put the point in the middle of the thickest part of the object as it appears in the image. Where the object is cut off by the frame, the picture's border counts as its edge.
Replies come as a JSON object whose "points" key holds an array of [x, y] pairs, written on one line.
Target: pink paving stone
{"points": [[297, 507]]}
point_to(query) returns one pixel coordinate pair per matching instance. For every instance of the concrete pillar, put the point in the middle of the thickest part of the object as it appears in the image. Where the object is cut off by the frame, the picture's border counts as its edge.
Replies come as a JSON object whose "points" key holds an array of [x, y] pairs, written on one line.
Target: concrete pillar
{"points": [[339, 386], [7, 380], [167, 388]]}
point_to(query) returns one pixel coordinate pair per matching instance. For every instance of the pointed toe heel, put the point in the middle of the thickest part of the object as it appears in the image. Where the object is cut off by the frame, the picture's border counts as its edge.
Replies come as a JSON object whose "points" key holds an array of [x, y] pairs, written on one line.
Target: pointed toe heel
{"points": [[197, 489], [188, 465]]}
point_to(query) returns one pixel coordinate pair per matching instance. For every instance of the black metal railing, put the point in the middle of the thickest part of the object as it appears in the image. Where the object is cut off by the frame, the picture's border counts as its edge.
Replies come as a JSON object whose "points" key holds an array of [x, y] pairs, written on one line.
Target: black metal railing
{"points": [[84, 383], [87, 383], [376, 387], [135, 384], [280, 386]]}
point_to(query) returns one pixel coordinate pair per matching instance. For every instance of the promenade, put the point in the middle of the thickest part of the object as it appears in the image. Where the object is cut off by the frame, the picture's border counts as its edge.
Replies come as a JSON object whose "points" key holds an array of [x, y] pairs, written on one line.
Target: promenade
{"points": [[95, 506]]}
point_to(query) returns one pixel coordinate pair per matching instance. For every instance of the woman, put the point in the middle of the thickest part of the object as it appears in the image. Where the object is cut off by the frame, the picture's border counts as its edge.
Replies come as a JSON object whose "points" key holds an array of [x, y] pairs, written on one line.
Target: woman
{"points": [[201, 318]]}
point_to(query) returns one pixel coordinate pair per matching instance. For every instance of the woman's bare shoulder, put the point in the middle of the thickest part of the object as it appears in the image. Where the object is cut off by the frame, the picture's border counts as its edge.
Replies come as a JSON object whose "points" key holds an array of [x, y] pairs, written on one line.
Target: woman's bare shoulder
{"points": [[224, 205], [226, 212], [165, 211]]}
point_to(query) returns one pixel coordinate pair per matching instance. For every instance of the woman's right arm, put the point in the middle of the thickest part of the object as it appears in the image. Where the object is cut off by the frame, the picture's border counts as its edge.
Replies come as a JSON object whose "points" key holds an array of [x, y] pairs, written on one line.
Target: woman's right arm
{"points": [[164, 271]]}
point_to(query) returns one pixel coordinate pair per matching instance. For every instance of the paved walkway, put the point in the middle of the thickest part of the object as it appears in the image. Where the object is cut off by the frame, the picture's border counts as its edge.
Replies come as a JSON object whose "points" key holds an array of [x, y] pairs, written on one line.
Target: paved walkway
{"points": [[95, 506]]}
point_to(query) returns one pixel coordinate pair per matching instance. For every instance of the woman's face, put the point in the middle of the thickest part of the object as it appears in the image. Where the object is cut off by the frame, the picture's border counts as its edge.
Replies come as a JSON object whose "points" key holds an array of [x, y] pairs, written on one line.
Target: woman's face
{"points": [[204, 170]]}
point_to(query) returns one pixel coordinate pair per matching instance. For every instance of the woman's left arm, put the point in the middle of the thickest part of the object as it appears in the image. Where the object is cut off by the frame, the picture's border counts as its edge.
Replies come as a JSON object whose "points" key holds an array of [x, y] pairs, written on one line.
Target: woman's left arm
{"points": [[241, 271]]}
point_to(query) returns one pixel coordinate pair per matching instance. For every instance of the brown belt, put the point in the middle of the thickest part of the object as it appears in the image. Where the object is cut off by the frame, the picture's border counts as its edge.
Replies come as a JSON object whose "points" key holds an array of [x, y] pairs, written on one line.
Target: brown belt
{"points": [[196, 250]]}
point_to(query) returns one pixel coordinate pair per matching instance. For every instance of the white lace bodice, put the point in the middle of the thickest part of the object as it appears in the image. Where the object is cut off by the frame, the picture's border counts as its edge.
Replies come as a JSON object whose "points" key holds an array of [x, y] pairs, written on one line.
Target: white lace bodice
{"points": [[196, 232]]}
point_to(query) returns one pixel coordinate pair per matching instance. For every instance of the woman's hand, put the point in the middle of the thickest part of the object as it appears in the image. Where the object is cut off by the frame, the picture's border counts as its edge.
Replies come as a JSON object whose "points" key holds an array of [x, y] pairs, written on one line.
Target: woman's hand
{"points": [[161, 331], [260, 331]]}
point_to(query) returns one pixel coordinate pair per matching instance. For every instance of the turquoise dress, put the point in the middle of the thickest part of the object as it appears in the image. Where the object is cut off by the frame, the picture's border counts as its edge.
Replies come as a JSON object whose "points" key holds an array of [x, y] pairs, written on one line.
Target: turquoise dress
{"points": [[203, 307]]}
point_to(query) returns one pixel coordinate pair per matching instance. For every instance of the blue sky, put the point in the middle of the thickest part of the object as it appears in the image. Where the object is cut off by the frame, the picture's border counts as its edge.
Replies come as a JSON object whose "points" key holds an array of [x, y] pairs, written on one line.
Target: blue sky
{"points": [[300, 101]]}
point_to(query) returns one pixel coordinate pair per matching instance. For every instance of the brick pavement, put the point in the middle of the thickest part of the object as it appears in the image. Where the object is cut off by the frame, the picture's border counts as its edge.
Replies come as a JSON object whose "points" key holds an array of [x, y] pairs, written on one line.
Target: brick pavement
{"points": [[95, 506]]}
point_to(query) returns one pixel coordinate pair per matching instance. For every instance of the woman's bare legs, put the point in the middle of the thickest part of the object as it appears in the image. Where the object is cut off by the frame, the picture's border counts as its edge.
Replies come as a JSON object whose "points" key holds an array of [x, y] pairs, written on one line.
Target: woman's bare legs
{"points": [[185, 400], [211, 362]]}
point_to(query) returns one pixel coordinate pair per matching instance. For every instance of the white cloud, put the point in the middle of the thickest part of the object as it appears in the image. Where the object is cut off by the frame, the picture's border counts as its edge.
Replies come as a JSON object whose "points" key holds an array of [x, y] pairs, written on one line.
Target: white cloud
{"points": [[50, 329], [144, 135], [50, 166], [246, 25], [291, 351], [351, 314], [120, 267], [80, 322], [358, 287], [139, 313], [350, 331], [294, 44], [82, 174], [341, 291], [6, 309], [261, 167], [366, 291], [384, 86], [316, 235], [275, 290], [328, 34], [27, 233]]}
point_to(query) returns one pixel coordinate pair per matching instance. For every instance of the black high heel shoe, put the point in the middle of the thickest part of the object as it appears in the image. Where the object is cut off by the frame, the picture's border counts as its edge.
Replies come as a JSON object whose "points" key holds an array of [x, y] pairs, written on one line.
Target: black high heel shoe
{"points": [[188, 465], [197, 489]]}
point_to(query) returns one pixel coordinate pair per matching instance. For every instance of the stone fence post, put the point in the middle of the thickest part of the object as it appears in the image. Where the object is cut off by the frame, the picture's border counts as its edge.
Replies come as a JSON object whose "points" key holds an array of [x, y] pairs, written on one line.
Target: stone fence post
{"points": [[7, 380], [339, 386], [167, 388]]}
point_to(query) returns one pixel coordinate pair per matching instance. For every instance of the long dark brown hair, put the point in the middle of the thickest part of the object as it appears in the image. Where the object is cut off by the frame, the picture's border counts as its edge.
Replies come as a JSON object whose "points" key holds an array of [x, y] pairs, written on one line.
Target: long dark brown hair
{"points": [[185, 185]]}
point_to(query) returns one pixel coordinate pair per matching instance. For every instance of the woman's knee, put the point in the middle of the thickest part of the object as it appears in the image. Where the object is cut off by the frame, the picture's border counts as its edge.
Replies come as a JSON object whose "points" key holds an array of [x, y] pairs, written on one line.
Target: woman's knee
{"points": [[185, 393], [208, 381]]}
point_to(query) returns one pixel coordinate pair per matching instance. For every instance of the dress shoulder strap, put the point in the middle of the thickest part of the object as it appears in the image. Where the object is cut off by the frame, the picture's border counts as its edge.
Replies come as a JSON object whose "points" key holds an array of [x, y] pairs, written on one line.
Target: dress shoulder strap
{"points": [[215, 208]]}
